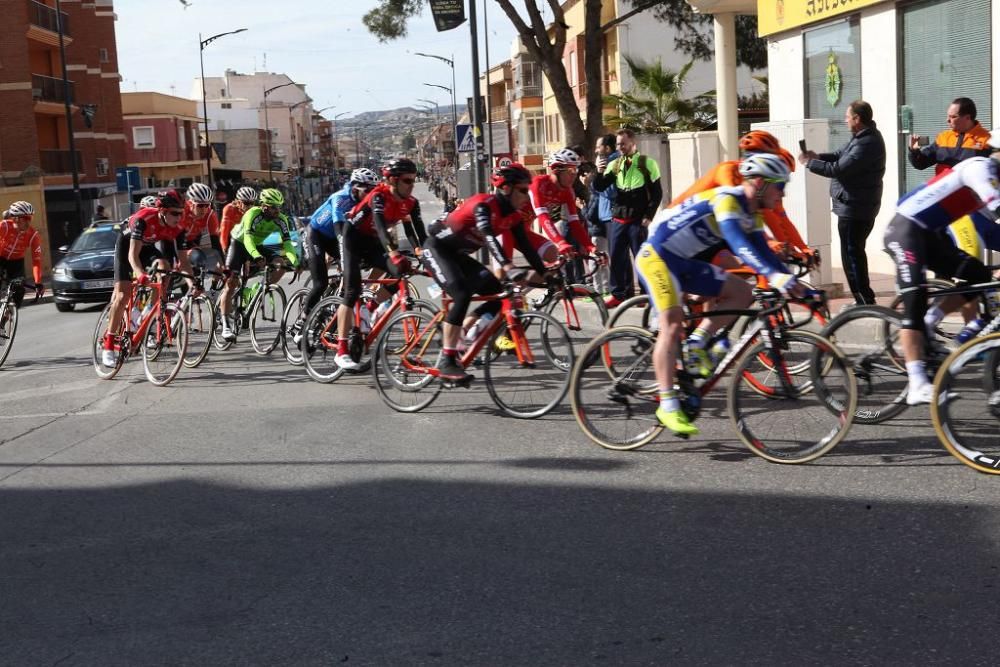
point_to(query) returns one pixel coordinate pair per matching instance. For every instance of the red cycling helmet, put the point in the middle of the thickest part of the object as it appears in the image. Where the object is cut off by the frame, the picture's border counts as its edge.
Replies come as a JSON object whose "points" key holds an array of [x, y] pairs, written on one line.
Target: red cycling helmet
{"points": [[759, 141], [169, 199], [512, 174]]}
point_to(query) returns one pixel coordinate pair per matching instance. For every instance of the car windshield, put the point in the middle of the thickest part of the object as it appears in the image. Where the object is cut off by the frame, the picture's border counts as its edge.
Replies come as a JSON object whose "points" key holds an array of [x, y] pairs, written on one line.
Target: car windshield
{"points": [[97, 238]]}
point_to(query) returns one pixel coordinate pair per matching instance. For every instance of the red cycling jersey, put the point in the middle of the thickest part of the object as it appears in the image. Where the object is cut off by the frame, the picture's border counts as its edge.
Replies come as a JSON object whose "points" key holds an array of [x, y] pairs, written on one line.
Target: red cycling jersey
{"points": [[145, 225], [381, 210], [193, 227], [15, 243], [469, 230], [553, 204]]}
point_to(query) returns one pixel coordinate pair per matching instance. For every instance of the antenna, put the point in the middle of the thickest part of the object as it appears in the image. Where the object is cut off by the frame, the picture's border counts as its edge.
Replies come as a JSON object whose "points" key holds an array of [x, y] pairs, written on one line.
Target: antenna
{"points": [[265, 62]]}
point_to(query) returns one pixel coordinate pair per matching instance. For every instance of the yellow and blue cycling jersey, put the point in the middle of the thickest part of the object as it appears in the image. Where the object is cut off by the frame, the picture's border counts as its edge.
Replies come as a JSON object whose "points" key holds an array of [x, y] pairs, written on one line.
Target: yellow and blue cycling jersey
{"points": [[682, 241], [975, 233]]}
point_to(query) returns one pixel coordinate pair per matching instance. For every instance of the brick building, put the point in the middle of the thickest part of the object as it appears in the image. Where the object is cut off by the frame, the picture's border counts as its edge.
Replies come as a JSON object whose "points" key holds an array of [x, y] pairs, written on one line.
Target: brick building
{"points": [[162, 140]]}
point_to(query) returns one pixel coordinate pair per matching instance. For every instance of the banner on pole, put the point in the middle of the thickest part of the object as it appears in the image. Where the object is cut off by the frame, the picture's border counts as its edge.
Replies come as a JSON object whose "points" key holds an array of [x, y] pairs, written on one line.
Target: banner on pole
{"points": [[448, 14]]}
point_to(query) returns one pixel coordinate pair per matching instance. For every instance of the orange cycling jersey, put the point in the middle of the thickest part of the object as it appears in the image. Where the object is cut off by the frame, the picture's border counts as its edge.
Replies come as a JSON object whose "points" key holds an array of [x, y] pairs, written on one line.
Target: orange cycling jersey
{"points": [[728, 174], [232, 213], [15, 243]]}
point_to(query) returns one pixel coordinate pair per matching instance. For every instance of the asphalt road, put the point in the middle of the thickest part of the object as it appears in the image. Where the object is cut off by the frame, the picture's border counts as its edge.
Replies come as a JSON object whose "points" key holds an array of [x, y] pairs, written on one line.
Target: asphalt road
{"points": [[247, 515]]}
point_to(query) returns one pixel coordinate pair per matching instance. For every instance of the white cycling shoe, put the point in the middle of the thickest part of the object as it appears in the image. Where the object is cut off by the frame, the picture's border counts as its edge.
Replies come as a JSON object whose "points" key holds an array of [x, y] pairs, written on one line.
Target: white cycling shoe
{"points": [[227, 334], [109, 358], [345, 362], [920, 395]]}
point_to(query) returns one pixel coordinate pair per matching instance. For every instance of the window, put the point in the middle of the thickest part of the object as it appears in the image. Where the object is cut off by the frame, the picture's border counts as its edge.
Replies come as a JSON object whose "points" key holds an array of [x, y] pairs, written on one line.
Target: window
{"points": [[222, 92], [572, 69], [143, 137], [529, 84], [102, 55], [181, 137], [103, 166], [835, 47], [532, 131], [227, 105]]}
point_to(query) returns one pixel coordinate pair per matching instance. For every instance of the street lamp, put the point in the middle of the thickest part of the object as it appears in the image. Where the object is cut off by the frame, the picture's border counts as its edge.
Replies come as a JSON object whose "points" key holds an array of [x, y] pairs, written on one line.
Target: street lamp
{"points": [[202, 43], [267, 127], [453, 90], [336, 141], [437, 109]]}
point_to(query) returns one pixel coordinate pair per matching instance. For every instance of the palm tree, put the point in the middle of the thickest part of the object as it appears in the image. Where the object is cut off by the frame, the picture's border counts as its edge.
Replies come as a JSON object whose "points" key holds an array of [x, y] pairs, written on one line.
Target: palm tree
{"points": [[656, 103]]}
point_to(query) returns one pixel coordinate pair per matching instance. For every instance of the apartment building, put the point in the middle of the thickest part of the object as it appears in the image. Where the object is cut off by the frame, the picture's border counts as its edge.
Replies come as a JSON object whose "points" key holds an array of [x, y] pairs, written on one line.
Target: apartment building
{"points": [[162, 140]]}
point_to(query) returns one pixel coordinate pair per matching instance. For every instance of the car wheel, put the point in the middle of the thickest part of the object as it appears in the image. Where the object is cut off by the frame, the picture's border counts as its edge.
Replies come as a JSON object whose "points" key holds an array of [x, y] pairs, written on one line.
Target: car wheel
{"points": [[65, 307]]}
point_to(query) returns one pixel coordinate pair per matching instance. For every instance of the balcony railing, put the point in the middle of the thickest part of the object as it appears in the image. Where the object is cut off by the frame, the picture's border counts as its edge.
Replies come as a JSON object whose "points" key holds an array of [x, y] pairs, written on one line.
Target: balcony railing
{"points": [[45, 17], [498, 114], [49, 89], [59, 161]]}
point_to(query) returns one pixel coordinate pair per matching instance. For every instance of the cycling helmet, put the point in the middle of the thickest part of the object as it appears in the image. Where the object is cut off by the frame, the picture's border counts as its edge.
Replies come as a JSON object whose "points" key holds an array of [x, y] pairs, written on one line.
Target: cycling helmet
{"points": [[770, 167], [563, 158], [398, 167], [20, 208], [169, 199], [149, 201], [364, 176], [200, 193], [994, 140], [759, 141], [788, 158], [512, 174], [271, 197], [246, 194]]}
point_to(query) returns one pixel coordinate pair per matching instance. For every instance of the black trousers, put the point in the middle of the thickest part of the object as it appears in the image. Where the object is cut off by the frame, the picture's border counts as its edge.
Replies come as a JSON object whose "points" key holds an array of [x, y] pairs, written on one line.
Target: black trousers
{"points": [[853, 234]]}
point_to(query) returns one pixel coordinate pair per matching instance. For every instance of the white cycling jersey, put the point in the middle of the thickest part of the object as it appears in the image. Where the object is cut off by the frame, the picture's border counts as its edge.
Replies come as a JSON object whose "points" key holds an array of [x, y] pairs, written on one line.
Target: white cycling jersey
{"points": [[967, 187]]}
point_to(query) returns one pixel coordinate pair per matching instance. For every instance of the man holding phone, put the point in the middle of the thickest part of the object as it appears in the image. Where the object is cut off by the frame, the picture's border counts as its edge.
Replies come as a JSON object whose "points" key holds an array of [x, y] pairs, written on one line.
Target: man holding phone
{"points": [[963, 139]]}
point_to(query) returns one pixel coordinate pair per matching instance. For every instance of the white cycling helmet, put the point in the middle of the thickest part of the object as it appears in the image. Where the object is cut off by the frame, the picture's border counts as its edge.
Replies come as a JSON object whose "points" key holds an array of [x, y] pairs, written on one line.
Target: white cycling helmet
{"points": [[247, 194], [200, 193], [21, 208], [149, 201], [364, 176], [770, 167], [562, 158], [994, 138]]}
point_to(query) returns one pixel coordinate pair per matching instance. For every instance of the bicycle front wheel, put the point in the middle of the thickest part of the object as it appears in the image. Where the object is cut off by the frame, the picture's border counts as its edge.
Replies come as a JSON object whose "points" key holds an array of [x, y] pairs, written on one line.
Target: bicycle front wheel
{"points": [[531, 379], [97, 348], [164, 345], [803, 415], [613, 389], [583, 314], [200, 329], [265, 319], [292, 321], [965, 408], [319, 341], [8, 327], [634, 312], [405, 348]]}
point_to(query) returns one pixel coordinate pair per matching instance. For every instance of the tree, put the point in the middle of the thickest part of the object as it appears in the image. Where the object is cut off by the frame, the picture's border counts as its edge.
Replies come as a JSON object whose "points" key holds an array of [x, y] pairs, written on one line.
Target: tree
{"points": [[656, 104], [695, 37], [545, 42]]}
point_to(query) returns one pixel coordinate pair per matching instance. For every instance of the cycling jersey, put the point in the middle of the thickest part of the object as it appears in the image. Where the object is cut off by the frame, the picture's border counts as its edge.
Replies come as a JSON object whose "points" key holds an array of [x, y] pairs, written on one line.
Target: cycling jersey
{"points": [[145, 225], [975, 233], [553, 204], [15, 243], [254, 228], [381, 211], [194, 227], [955, 192], [232, 213], [333, 212]]}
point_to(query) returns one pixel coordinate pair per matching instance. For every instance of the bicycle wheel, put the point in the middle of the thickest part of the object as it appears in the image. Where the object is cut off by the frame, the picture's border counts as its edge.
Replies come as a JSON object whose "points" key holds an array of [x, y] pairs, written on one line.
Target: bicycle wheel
{"points": [[613, 389], [234, 315], [8, 327], [947, 328], [164, 345], [529, 381], [869, 336], [291, 323], [97, 348], [794, 424], [635, 312], [265, 319], [200, 329], [965, 421], [584, 315], [405, 346], [319, 341]]}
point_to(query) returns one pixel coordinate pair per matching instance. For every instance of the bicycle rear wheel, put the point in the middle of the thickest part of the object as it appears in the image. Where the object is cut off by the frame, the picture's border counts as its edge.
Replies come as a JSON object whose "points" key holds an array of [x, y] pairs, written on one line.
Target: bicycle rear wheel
{"points": [[97, 348], [635, 312], [164, 345], [613, 389], [200, 329], [405, 347], [291, 323], [964, 419], [265, 319], [805, 414], [529, 382], [319, 341], [947, 328], [8, 328]]}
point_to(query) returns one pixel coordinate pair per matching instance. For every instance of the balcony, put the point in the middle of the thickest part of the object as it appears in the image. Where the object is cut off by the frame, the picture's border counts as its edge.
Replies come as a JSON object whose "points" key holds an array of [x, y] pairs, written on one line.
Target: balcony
{"points": [[498, 114], [44, 17], [49, 89], [59, 161]]}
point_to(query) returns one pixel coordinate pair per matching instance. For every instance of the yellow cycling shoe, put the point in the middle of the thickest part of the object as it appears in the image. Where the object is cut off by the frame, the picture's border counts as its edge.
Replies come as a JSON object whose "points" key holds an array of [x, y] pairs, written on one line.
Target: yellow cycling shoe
{"points": [[504, 344], [699, 363], [677, 422]]}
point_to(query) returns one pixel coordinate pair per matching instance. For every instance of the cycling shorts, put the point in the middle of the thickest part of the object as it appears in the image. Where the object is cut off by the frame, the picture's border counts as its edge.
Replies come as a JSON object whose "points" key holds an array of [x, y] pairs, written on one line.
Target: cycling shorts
{"points": [[148, 255], [667, 277], [238, 255]]}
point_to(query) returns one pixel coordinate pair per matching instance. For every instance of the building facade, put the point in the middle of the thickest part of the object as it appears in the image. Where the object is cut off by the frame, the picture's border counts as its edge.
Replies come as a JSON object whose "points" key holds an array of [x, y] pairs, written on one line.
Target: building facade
{"points": [[162, 140]]}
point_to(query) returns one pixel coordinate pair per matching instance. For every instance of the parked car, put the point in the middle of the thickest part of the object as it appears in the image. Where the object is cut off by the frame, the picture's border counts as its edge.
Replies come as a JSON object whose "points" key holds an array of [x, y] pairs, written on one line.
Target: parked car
{"points": [[86, 273]]}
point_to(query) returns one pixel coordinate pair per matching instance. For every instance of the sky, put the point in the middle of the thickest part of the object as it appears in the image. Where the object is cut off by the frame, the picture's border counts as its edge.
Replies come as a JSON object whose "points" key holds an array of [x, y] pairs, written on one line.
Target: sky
{"points": [[320, 43]]}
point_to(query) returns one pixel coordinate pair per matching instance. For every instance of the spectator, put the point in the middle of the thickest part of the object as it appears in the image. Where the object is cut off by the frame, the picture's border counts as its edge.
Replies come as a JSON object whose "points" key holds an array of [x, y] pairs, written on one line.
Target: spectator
{"points": [[964, 138], [101, 214], [638, 193], [856, 172], [599, 211]]}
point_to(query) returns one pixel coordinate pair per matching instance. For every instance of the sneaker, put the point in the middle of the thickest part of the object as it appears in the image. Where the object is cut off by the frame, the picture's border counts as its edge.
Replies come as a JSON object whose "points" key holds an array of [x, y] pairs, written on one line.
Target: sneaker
{"points": [[345, 362], [504, 344], [677, 422], [920, 395], [109, 358], [449, 369], [612, 302]]}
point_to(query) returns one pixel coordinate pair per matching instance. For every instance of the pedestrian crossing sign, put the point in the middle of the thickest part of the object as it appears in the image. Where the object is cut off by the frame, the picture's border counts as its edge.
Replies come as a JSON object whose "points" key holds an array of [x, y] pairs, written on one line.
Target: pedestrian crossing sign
{"points": [[466, 138]]}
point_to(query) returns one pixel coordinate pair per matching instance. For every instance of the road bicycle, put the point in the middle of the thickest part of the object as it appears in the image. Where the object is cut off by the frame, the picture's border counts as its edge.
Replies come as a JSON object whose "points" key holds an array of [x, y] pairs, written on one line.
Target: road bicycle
{"points": [[258, 305], [577, 306], [200, 313], [293, 319], [8, 313], [153, 325], [779, 414], [526, 381]]}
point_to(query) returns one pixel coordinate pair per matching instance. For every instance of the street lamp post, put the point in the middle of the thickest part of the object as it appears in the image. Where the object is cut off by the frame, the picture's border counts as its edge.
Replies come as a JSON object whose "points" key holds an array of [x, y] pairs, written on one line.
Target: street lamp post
{"points": [[336, 142], [454, 119], [454, 91], [437, 109], [267, 127], [202, 43]]}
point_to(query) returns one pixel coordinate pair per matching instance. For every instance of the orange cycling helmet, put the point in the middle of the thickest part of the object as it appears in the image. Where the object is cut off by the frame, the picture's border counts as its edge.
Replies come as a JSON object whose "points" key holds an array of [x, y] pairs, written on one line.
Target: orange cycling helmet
{"points": [[759, 141], [787, 157]]}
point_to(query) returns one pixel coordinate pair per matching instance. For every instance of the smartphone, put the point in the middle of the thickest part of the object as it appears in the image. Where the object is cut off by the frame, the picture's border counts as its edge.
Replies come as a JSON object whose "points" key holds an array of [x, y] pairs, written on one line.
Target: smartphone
{"points": [[802, 145], [923, 141]]}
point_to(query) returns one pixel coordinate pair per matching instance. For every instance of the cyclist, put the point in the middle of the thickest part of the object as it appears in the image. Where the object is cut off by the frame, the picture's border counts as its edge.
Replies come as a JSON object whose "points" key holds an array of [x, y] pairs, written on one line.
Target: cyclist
{"points": [[136, 249], [149, 201], [18, 237], [199, 218], [257, 224], [369, 236], [914, 240], [479, 221], [675, 259], [234, 211]]}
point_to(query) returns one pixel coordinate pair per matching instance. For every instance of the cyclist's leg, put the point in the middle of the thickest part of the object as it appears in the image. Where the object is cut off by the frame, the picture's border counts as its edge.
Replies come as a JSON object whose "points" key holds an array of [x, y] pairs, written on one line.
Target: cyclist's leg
{"points": [[14, 270], [319, 246], [236, 257]]}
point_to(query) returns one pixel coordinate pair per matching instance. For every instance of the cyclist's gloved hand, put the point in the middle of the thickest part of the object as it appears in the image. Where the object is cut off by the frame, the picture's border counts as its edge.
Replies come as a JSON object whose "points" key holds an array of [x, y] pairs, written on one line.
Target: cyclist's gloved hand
{"points": [[292, 258], [142, 279], [399, 264], [784, 283], [564, 248]]}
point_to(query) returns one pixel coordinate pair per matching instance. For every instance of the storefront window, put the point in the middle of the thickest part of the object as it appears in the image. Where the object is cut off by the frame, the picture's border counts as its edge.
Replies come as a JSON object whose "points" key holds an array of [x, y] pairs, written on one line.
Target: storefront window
{"points": [[833, 75]]}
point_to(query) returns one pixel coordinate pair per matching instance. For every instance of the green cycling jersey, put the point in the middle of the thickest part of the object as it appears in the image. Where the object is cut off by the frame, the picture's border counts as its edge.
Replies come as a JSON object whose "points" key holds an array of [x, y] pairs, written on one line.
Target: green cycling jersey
{"points": [[254, 228]]}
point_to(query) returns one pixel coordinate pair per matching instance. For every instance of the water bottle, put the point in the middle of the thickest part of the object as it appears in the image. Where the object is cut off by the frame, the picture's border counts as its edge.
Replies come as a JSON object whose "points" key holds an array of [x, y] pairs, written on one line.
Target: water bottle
{"points": [[135, 317], [382, 307], [366, 318], [480, 324], [970, 330]]}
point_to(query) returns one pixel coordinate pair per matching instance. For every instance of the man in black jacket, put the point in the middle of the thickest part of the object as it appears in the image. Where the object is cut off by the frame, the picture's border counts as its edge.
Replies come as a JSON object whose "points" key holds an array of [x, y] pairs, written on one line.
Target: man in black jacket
{"points": [[856, 171]]}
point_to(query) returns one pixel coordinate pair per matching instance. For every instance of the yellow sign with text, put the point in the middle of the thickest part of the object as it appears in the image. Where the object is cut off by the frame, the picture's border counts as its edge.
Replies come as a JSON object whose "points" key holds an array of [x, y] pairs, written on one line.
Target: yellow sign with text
{"points": [[778, 15]]}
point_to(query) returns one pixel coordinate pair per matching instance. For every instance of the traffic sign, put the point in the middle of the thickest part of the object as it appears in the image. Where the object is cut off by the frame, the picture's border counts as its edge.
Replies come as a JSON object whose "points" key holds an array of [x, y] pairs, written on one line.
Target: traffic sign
{"points": [[504, 162], [466, 138], [127, 178]]}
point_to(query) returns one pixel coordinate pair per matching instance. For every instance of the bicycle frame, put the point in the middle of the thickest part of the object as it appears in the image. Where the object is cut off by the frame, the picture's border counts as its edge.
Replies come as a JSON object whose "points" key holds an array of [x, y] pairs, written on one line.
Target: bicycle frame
{"points": [[399, 301]]}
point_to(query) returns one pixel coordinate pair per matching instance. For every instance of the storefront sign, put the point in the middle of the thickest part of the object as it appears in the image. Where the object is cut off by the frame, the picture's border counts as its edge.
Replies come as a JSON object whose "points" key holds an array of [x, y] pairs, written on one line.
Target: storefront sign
{"points": [[778, 15]]}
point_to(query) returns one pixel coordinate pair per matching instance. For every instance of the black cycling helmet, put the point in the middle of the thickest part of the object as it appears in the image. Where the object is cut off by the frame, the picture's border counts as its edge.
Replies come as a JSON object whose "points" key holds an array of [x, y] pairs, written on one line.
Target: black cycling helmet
{"points": [[398, 167], [169, 199], [511, 174]]}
